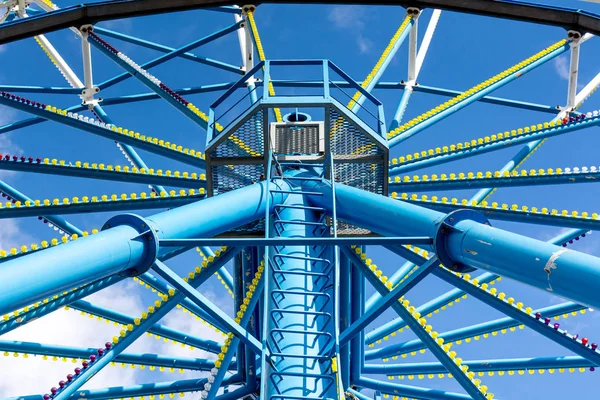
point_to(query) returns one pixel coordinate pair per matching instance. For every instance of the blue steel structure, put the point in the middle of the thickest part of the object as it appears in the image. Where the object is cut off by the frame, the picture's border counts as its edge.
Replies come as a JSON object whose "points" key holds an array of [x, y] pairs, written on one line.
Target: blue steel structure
{"points": [[287, 196]]}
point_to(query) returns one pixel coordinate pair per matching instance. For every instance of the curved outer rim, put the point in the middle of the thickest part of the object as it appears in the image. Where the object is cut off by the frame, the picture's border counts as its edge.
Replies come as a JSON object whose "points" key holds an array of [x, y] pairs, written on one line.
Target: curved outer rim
{"points": [[568, 18]]}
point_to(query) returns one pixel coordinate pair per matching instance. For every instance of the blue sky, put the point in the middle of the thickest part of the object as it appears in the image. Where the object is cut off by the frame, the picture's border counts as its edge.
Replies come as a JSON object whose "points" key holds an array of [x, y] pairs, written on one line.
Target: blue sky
{"points": [[465, 50]]}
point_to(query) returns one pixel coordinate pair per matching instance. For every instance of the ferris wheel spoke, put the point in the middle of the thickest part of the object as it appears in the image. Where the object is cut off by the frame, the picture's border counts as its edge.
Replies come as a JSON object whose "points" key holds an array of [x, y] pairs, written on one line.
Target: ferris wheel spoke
{"points": [[158, 330], [495, 365], [149, 389], [205, 252], [109, 131], [454, 295], [165, 49], [474, 147], [39, 89], [51, 304], [433, 306], [147, 320], [497, 179], [384, 60], [468, 332], [74, 353], [514, 212], [172, 54], [104, 203], [261, 56], [396, 389], [61, 223], [417, 323], [531, 147], [397, 292], [526, 317], [448, 108], [415, 62], [117, 173], [151, 282], [153, 83]]}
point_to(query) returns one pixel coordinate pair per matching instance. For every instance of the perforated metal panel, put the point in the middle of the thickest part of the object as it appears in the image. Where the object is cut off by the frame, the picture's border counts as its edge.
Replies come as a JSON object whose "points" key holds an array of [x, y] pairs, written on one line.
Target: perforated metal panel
{"points": [[246, 141], [358, 161], [226, 178], [237, 157], [297, 138]]}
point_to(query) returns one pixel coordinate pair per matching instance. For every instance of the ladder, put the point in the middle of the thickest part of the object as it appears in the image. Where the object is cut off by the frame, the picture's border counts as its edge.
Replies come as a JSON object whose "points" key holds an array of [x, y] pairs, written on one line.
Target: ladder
{"points": [[300, 309]]}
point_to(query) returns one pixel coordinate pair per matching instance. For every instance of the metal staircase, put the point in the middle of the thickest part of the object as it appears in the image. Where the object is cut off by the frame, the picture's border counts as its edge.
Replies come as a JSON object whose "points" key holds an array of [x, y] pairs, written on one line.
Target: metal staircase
{"points": [[300, 297]]}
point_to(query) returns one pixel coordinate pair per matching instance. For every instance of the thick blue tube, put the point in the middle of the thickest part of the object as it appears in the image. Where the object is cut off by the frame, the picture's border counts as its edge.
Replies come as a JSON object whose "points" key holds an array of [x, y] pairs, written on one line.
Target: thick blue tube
{"points": [[565, 273], [290, 330], [36, 276]]}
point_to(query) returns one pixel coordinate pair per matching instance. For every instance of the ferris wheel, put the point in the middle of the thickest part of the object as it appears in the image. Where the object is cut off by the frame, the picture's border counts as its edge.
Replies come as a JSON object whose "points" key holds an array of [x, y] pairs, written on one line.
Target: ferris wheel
{"points": [[295, 226]]}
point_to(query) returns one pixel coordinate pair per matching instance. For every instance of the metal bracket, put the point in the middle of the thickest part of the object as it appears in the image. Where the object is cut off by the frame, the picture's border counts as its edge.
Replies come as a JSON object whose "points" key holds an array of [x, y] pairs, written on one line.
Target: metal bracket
{"points": [[446, 226], [146, 233], [413, 11], [89, 90], [248, 7]]}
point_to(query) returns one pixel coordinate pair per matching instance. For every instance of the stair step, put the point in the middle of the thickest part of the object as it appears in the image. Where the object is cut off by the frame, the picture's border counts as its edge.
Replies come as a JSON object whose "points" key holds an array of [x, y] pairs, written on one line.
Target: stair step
{"points": [[296, 192]]}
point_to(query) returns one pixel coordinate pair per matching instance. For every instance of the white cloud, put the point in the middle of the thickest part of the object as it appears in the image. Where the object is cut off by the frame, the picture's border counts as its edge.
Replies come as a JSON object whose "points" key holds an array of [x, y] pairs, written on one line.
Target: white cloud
{"points": [[364, 44], [70, 329], [348, 17], [561, 66]]}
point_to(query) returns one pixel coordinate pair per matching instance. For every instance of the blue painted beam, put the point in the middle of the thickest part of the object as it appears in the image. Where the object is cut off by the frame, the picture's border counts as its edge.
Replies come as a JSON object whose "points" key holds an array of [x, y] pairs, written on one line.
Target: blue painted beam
{"points": [[40, 89], [572, 275], [568, 221], [120, 100], [158, 329], [407, 283], [515, 364], [436, 303], [496, 182], [144, 389], [468, 331], [467, 384], [188, 291], [147, 81], [223, 273], [411, 391], [118, 248], [54, 304], [224, 86], [453, 155], [103, 131], [128, 151], [100, 206], [61, 223], [165, 49], [237, 340], [162, 287], [546, 329], [176, 53], [387, 58], [425, 89], [367, 241], [196, 364], [357, 351], [500, 101], [101, 174], [153, 316], [425, 309], [393, 141]]}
